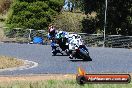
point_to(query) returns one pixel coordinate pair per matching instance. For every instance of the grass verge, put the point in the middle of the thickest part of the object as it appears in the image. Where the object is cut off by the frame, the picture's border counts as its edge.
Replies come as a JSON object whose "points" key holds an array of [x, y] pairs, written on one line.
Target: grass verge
{"points": [[59, 84], [9, 62]]}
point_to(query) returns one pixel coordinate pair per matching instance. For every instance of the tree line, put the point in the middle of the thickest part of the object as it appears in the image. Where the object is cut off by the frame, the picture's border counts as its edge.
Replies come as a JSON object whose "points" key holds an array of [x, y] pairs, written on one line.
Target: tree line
{"points": [[119, 19], [38, 14]]}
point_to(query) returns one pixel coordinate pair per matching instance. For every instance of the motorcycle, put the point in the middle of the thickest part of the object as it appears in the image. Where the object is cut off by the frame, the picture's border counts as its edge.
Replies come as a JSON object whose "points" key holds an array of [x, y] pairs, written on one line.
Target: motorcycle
{"points": [[81, 52], [60, 46], [56, 50]]}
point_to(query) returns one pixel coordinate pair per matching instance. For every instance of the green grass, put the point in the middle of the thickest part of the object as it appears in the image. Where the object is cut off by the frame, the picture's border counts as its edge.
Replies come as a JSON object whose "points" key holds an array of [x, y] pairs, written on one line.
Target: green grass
{"points": [[59, 84]]}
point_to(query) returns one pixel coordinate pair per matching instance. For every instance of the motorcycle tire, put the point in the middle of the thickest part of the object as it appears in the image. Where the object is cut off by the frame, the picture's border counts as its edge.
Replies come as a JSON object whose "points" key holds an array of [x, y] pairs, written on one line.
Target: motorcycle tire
{"points": [[85, 55], [54, 53]]}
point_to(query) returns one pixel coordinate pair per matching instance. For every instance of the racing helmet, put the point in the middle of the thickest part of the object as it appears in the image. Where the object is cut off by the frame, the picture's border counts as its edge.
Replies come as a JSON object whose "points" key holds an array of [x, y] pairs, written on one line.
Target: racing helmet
{"points": [[60, 32]]}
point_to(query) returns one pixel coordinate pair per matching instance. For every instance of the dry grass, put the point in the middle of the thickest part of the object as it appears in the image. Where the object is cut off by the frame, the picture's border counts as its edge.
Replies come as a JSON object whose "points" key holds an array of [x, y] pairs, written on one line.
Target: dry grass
{"points": [[35, 78], [59, 84], [52, 81], [9, 62]]}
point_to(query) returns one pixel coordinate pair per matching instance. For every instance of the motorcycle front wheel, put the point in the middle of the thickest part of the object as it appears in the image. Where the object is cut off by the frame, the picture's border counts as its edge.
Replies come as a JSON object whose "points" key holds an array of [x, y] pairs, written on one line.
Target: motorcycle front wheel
{"points": [[85, 55]]}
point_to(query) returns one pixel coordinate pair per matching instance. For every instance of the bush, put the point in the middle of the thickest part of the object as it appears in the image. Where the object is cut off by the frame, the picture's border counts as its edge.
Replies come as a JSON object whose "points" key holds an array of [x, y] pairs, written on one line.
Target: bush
{"points": [[35, 14], [69, 21]]}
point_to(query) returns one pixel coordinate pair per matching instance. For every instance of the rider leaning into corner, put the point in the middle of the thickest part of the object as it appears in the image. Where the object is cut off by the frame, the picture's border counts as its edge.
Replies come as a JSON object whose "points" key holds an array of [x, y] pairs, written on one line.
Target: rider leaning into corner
{"points": [[75, 41], [62, 38], [56, 37], [51, 32], [51, 36]]}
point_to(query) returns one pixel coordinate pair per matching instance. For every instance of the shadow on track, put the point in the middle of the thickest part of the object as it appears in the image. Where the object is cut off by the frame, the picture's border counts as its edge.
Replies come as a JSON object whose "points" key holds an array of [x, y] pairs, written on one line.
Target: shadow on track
{"points": [[60, 55], [79, 60]]}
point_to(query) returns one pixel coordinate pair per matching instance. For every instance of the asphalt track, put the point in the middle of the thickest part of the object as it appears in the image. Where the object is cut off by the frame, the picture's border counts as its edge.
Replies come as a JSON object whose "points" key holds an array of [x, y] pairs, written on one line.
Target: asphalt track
{"points": [[105, 60]]}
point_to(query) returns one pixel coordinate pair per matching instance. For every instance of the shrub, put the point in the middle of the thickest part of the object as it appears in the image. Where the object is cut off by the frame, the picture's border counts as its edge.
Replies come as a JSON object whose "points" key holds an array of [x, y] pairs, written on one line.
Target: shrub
{"points": [[35, 14]]}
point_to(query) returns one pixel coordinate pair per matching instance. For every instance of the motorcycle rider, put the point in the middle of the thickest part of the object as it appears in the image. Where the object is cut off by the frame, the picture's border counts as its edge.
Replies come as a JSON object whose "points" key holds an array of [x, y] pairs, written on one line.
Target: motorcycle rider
{"points": [[52, 35], [75, 41], [62, 38], [51, 32]]}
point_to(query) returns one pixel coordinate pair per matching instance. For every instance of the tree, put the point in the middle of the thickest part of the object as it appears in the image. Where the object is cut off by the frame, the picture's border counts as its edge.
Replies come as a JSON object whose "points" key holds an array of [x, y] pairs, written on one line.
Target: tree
{"points": [[90, 25], [119, 20], [119, 12], [35, 14], [68, 21], [4, 6]]}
